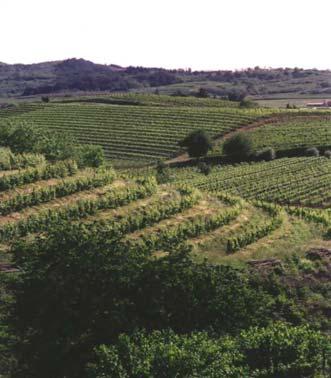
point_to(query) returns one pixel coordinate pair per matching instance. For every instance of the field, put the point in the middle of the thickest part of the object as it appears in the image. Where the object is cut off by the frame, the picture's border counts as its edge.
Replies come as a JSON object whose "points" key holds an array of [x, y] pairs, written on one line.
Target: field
{"points": [[301, 181], [299, 133], [133, 132]]}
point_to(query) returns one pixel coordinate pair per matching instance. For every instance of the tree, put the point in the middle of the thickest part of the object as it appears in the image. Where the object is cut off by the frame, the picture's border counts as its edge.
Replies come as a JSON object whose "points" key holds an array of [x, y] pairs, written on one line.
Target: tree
{"points": [[237, 95], [203, 93], [197, 143], [238, 147]]}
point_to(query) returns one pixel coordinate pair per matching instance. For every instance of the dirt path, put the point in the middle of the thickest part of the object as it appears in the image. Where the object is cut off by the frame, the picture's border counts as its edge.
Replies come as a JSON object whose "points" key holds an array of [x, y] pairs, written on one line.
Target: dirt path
{"points": [[184, 157]]}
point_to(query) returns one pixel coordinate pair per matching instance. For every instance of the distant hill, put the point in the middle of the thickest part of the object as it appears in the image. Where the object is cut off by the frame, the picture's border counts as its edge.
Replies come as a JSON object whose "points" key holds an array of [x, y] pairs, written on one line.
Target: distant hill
{"points": [[76, 75]]}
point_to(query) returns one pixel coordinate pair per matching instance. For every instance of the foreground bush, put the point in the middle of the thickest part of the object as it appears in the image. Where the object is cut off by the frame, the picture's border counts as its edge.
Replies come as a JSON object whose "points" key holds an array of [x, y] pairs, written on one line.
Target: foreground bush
{"points": [[276, 351], [117, 291]]}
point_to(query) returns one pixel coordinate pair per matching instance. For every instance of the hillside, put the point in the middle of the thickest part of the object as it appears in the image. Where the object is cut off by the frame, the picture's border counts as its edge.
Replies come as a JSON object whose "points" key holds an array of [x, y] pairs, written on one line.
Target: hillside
{"points": [[133, 132], [137, 129], [95, 262], [79, 75]]}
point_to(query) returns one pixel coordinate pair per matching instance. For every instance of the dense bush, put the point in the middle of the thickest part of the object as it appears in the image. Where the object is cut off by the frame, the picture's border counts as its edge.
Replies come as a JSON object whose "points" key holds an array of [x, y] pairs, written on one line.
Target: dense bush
{"points": [[9, 160], [278, 351], [204, 168], [197, 143], [327, 154], [238, 147], [163, 174], [248, 104], [266, 154], [89, 155], [313, 151]]}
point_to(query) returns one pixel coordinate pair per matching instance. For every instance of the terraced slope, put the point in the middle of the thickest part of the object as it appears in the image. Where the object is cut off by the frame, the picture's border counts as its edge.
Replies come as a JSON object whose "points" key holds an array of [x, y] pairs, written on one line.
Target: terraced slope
{"points": [[304, 181], [141, 216], [145, 133]]}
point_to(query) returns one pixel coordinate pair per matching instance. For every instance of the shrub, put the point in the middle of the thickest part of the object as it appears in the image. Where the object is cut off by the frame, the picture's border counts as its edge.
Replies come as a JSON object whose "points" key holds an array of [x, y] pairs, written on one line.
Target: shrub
{"points": [[248, 104], [313, 151], [327, 154], [6, 157], [266, 154], [8, 160], [88, 155], [204, 168], [236, 95], [197, 143], [203, 93], [238, 147], [162, 173]]}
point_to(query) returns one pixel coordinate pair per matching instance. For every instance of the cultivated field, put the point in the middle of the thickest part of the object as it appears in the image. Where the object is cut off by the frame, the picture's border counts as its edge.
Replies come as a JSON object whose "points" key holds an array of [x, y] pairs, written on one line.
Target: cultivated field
{"points": [[133, 132]]}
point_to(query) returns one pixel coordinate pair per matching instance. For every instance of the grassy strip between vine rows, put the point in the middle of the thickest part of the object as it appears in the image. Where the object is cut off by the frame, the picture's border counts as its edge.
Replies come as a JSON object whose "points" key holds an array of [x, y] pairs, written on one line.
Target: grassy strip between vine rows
{"points": [[171, 236], [253, 233], [157, 210]]}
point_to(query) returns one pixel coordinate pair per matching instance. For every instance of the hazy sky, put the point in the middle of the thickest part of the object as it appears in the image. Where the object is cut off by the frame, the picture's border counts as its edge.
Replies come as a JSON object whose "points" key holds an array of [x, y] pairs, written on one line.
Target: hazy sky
{"points": [[206, 34]]}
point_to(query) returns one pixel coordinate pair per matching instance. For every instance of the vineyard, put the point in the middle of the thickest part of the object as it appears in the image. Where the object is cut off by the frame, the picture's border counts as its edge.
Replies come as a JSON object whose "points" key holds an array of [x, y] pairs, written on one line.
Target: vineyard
{"points": [[138, 214], [299, 133], [47, 216], [163, 248], [141, 132], [303, 181], [152, 100]]}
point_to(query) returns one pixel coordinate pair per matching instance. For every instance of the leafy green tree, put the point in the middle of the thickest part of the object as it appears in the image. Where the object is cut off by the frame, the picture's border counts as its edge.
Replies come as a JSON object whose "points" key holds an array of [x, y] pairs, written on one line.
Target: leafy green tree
{"points": [[58, 317], [197, 143], [238, 147], [26, 137]]}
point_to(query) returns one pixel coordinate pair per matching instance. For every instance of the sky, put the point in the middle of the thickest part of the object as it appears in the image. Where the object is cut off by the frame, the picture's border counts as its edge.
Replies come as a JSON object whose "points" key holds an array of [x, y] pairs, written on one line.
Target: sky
{"points": [[202, 35]]}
